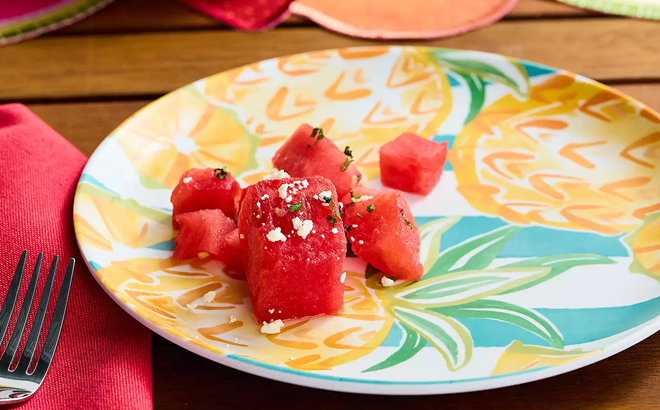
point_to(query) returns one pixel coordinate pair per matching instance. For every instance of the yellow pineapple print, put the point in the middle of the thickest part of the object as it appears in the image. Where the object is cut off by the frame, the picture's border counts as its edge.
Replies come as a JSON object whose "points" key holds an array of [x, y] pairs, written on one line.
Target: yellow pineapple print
{"points": [[573, 156]]}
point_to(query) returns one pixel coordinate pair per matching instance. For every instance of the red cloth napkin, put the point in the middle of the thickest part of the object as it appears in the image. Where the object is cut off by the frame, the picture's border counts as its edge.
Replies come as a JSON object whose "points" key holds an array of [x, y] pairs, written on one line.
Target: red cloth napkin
{"points": [[244, 14], [103, 358]]}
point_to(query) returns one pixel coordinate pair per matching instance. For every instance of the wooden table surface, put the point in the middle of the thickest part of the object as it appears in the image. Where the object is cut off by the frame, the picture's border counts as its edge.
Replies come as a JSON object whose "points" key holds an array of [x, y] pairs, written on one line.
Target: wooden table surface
{"points": [[85, 79]]}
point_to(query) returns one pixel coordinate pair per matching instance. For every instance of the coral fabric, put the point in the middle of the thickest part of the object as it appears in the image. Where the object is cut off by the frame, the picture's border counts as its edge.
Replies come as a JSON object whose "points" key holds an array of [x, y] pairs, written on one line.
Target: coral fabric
{"points": [[402, 19], [244, 14], [103, 358]]}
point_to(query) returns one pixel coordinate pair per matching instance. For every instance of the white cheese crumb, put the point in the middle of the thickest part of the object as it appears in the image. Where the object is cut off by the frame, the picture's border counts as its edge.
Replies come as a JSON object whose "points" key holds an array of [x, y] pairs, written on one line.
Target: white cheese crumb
{"points": [[263, 224], [288, 198], [265, 247], [258, 204], [203, 255], [272, 328], [325, 194], [364, 198], [341, 206], [271, 311], [209, 296], [282, 190], [361, 242], [241, 236], [191, 306], [386, 282], [259, 216], [279, 311], [304, 229], [352, 239], [314, 231], [277, 175], [276, 235], [343, 277], [305, 183], [334, 230], [322, 236], [187, 179], [232, 318], [354, 226], [316, 196], [297, 223], [264, 197]]}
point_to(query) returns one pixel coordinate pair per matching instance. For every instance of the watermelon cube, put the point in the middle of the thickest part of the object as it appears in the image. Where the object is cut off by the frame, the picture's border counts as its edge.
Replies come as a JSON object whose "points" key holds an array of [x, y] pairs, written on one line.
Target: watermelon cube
{"points": [[293, 248], [308, 153], [208, 233], [411, 163], [205, 189], [383, 233]]}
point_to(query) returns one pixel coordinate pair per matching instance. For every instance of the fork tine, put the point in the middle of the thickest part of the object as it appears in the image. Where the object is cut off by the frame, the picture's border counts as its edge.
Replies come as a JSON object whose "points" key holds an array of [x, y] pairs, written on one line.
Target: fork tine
{"points": [[17, 333], [35, 330], [10, 300], [56, 323]]}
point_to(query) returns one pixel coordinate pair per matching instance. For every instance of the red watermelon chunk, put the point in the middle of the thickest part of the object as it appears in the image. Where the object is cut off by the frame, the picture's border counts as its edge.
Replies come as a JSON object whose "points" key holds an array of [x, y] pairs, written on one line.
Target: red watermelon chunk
{"points": [[411, 163], [306, 154], [293, 248], [208, 233], [205, 189], [358, 192], [383, 233]]}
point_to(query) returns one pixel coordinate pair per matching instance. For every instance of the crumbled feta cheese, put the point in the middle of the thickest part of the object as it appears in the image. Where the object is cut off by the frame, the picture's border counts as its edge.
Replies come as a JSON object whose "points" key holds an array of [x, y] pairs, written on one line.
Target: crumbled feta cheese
{"points": [[277, 175], [232, 318], [361, 242], [276, 235], [282, 190], [258, 204], [271, 311], [343, 277], [242, 236], [334, 230], [325, 194], [264, 197], [364, 198], [322, 236], [191, 306], [316, 196], [259, 216], [203, 255], [354, 226], [288, 198], [297, 223], [272, 328], [386, 282], [305, 183], [305, 228], [187, 179], [209, 296], [263, 224], [352, 239], [341, 206], [279, 311]]}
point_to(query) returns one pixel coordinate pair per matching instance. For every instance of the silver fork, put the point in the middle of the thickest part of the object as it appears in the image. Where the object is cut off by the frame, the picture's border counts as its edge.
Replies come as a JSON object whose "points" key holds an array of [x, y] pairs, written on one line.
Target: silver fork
{"points": [[18, 385]]}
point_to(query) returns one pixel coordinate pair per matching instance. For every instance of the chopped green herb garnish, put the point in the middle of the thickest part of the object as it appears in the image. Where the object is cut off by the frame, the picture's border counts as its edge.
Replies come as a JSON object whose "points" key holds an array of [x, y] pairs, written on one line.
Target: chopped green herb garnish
{"points": [[404, 218], [348, 228], [349, 158], [359, 177], [336, 213], [332, 220], [354, 197], [346, 164], [359, 216], [295, 207], [370, 208], [318, 134], [220, 173]]}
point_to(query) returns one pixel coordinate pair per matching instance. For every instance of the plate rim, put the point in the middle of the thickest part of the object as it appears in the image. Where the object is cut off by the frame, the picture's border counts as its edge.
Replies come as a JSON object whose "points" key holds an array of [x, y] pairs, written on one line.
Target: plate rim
{"points": [[366, 386]]}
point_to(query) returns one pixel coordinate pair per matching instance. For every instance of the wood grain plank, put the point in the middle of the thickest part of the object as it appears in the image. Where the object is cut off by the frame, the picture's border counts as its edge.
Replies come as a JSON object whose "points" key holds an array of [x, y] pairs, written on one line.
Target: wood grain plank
{"points": [[626, 381], [156, 63], [170, 15], [87, 124]]}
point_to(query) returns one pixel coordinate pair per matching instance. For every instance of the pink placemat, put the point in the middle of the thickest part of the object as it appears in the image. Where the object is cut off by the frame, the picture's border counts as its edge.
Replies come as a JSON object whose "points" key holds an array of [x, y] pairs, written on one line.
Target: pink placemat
{"points": [[23, 19]]}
